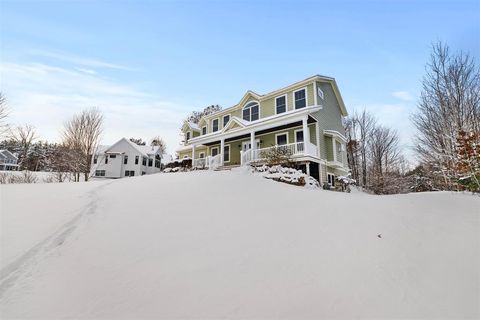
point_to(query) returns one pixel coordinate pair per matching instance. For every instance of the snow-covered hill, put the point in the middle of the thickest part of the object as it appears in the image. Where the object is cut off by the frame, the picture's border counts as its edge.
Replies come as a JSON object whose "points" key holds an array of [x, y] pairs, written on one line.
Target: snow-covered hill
{"points": [[231, 245]]}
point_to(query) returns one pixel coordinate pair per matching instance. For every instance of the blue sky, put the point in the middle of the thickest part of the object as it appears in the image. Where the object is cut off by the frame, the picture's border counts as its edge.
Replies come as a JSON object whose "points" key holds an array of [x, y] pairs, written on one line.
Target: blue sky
{"points": [[147, 64]]}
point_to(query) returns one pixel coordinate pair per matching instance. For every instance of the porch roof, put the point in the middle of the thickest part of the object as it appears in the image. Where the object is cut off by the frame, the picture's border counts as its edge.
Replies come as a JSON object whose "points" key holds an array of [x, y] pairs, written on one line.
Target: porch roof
{"points": [[261, 126]]}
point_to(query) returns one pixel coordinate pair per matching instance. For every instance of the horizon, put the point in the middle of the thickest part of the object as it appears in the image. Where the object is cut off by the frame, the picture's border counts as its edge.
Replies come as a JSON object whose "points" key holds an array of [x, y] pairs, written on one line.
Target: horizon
{"points": [[148, 65]]}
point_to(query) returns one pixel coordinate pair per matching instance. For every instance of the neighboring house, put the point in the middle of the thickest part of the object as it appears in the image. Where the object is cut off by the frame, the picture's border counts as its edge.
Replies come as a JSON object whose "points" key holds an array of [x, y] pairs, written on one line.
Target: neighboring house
{"points": [[304, 118], [125, 159], [8, 161]]}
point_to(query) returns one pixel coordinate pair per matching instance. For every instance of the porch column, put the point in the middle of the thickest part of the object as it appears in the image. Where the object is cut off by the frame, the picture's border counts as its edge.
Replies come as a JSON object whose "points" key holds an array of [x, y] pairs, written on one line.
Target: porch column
{"points": [[306, 132], [222, 150], [193, 156], [317, 137], [253, 145], [308, 168]]}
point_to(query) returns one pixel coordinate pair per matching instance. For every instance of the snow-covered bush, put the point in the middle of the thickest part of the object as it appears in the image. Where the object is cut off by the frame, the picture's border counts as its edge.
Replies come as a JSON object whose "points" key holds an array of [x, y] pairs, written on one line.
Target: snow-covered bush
{"points": [[288, 175]]}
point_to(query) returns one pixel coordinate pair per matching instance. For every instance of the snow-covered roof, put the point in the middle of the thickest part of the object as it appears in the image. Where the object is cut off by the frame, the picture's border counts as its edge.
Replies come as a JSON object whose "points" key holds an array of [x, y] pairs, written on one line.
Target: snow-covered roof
{"points": [[7, 154], [144, 150]]}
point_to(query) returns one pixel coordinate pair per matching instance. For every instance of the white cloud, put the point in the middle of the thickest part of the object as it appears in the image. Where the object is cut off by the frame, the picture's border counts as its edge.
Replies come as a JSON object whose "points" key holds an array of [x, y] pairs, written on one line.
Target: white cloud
{"points": [[45, 96], [403, 95], [80, 60]]}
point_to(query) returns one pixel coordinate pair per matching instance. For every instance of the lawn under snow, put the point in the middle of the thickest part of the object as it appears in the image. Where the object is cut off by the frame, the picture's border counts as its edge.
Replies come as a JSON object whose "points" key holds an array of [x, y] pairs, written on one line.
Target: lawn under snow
{"points": [[232, 245]]}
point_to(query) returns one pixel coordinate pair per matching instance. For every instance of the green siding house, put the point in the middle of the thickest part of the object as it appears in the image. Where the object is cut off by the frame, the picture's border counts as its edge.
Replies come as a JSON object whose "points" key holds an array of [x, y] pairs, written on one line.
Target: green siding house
{"points": [[304, 117]]}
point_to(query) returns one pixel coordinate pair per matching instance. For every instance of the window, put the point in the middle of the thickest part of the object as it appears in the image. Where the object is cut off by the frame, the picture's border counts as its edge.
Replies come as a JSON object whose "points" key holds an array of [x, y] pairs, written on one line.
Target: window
{"points": [[214, 152], [143, 173], [204, 130], [150, 162], [320, 93], [226, 119], [214, 125], [299, 141], [282, 139], [226, 154], [251, 111], [125, 160], [202, 155], [129, 173], [300, 99], [106, 159], [113, 156], [100, 173], [157, 163], [188, 136], [331, 179], [281, 104], [136, 159], [144, 161], [95, 159]]}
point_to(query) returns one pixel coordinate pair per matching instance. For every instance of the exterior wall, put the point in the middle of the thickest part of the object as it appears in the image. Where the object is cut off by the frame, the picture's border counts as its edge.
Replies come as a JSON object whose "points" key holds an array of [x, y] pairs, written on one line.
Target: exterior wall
{"points": [[329, 118], [115, 168]]}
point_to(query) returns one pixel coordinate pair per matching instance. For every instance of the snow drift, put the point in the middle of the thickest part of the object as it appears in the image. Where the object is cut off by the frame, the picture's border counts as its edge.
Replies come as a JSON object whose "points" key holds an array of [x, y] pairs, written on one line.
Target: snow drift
{"points": [[231, 245]]}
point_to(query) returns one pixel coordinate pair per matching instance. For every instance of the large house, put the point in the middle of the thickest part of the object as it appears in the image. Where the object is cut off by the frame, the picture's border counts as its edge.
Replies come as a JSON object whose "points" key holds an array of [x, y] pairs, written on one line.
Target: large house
{"points": [[304, 118], [8, 161], [125, 159]]}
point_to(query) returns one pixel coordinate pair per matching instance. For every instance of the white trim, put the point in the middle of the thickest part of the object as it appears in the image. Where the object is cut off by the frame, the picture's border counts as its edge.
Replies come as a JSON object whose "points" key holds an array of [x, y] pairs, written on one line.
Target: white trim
{"points": [[295, 134], [218, 125], [315, 97], [281, 134], [286, 103], [223, 119], [331, 174], [306, 98], [229, 152], [335, 134], [206, 130], [212, 148], [261, 124], [259, 110]]}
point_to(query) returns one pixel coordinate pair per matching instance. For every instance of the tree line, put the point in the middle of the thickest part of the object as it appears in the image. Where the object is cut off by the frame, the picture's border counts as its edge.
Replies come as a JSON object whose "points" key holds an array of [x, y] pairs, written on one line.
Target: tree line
{"points": [[447, 139], [80, 135]]}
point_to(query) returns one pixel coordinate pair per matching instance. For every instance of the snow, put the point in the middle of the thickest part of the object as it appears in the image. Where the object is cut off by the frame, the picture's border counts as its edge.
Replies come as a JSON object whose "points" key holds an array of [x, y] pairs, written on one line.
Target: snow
{"points": [[234, 245]]}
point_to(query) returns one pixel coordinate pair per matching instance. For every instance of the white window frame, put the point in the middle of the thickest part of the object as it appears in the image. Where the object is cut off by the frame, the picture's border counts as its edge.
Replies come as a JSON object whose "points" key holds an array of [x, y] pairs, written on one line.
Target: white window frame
{"points": [[295, 135], [218, 126], [306, 98], [333, 180], [229, 153], [320, 93], [206, 128], [259, 110], [229, 118], [281, 134], [211, 149], [286, 103]]}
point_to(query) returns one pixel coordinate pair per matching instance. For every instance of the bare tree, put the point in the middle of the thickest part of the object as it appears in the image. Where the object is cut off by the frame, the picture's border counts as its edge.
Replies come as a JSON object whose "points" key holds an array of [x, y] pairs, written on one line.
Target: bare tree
{"points": [[449, 104], [3, 115], [161, 144], [82, 134], [23, 136], [385, 160]]}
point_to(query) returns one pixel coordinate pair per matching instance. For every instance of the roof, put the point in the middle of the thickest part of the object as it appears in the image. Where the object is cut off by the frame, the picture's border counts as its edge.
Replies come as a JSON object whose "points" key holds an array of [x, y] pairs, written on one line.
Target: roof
{"points": [[316, 77], [7, 154], [144, 150]]}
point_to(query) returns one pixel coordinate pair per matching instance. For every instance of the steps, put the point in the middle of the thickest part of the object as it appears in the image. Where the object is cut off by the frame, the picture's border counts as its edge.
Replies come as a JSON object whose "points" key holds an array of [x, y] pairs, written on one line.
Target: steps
{"points": [[225, 168]]}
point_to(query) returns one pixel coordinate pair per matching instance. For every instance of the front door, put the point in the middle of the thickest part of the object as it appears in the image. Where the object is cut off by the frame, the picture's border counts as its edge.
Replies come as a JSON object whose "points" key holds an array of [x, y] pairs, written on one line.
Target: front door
{"points": [[246, 145]]}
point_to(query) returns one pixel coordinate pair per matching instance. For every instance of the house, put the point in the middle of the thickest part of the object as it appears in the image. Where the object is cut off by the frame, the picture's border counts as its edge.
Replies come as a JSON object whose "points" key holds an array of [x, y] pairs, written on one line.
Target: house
{"points": [[8, 161], [125, 159], [304, 118]]}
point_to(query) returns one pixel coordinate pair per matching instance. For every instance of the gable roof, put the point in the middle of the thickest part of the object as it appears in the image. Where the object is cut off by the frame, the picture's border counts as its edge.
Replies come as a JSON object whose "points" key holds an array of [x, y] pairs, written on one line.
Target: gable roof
{"points": [[7, 154], [257, 96], [234, 121], [144, 150], [191, 125]]}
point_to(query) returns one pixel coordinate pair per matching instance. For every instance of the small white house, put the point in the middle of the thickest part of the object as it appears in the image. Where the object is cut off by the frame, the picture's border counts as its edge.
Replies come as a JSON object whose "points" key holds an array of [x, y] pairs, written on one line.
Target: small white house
{"points": [[125, 159], [8, 161]]}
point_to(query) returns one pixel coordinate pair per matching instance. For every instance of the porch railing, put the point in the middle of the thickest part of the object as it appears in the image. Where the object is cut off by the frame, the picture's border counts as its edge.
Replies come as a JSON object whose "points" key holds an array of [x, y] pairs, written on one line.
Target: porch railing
{"points": [[215, 161], [294, 149]]}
